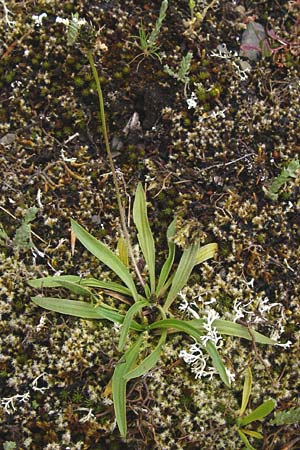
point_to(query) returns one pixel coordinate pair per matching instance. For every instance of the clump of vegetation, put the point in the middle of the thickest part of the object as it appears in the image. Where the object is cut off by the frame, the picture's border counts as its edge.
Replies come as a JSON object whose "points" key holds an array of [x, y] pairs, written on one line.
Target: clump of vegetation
{"points": [[152, 307], [257, 414], [292, 171], [149, 43], [22, 238], [149, 313], [289, 417], [182, 74]]}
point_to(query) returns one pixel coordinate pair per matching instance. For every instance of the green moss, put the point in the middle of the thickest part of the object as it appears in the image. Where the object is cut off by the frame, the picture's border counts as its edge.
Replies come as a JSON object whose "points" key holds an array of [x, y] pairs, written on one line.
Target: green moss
{"points": [[77, 397], [78, 66], [78, 81], [85, 92], [22, 358], [225, 300], [205, 62], [64, 394], [71, 60], [224, 250], [68, 7], [103, 80], [19, 306], [201, 94], [261, 238], [68, 131], [4, 374], [9, 77], [118, 75], [215, 92], [46, 65], [203, 76], [93, 86], [102, 233], [43, 92], [285, 195]]}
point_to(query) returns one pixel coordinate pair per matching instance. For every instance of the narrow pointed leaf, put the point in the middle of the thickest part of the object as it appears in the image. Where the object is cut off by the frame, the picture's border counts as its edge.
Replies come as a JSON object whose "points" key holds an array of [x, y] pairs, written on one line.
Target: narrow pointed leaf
{"points": [[71, 307], [253, 433], [177, 324], [123, 251], [106, 256], [166, 286], [147, 291], [150, 361], [119, 384], [245, 440], [132, 311], [75, 287], [259, 413], [182, 274], [57, 281], [206, 252], [53, 281], [170, 259], [234, 329], [196, 334], [217, 362], [246, 390], [107, 285], [83, 310], [145, 236]]}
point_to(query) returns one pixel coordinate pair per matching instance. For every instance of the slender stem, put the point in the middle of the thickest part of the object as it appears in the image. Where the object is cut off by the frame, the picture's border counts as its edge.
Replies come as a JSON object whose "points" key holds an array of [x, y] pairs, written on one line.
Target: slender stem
{"points": [[112, 166]]}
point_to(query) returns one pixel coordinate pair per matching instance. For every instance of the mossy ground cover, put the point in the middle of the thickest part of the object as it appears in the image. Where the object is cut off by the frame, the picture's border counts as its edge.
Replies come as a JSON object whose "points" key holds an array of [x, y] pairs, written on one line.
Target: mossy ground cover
{"points": [[209, 164]]}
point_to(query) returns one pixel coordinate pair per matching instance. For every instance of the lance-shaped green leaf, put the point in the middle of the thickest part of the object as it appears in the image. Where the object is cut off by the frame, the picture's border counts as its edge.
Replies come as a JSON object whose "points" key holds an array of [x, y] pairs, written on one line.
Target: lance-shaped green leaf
{"points": [[234, 329], [56, 281], [107, 285], [182, 274], [176, 324], [106, 256], [132, 311], [53, 281], [83, 310], [246, 390], [258, 414], [253, 433], [196, 334], [76, 288], [119, 383], [123, 251], [150, 361], [3, 235], [245, 440], [170, 259], [145, 236], [217, 362], [206, 252]]}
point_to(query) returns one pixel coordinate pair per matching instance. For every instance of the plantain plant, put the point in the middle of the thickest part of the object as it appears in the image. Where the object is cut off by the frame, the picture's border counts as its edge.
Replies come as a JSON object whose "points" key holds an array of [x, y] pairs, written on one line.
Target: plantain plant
{"points": [[149, 313], [150, 299]]}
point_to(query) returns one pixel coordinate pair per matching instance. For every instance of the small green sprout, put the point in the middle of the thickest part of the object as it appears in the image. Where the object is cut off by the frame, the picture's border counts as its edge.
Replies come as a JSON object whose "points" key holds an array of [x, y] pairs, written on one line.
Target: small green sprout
{"points": [[22, 238], [148, 43], [258, 414], [289, 417], [192, 5], [183, 71], [291, 171]]}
